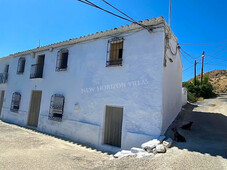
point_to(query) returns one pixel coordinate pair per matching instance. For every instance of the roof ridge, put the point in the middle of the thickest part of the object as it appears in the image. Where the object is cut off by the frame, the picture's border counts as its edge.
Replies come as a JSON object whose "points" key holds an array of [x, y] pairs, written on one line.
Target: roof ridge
{"points": [[121, 29]]}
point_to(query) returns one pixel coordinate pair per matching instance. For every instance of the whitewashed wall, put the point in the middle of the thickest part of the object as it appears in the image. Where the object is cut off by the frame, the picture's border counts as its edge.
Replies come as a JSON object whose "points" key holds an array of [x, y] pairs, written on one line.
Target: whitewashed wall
{"points": [[136, 86], [184, 96], [172, 85]]}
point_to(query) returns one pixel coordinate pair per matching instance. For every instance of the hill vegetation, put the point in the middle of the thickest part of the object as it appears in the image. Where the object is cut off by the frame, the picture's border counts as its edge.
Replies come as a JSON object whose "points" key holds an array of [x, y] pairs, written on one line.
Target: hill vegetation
{"points": [[217, 78], [214, 82]]}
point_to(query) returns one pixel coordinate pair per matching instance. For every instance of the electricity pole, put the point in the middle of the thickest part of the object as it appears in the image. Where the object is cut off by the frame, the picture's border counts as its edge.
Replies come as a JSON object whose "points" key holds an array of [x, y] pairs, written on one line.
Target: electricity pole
{"points": [[169, 12], [203, 55], [195, 73]]}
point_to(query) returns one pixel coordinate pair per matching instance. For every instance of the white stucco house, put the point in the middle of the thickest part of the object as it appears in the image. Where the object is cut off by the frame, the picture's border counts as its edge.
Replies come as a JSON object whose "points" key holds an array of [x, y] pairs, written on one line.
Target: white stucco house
{"points": [[111, 90]]}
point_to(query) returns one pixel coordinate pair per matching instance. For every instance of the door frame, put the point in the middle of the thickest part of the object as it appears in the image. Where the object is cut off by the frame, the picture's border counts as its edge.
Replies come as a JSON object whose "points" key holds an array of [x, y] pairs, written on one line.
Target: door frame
{"points": [[2, 94], [104, 121], [30, 109]]}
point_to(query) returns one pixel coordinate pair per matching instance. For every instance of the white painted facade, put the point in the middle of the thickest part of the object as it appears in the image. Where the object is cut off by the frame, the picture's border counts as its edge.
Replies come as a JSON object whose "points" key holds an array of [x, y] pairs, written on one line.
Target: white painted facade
{"points": [[184, 96], [147, 87]]}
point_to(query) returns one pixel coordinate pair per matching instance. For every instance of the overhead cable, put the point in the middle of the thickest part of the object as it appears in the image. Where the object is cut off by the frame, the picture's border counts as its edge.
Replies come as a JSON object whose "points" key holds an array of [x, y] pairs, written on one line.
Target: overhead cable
{"points": [[205, 44]]}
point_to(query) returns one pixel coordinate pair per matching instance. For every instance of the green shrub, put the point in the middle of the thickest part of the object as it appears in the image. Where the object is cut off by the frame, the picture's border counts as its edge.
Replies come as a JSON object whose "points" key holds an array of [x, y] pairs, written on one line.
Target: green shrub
{"points": [[191, 97], [196, 91]]}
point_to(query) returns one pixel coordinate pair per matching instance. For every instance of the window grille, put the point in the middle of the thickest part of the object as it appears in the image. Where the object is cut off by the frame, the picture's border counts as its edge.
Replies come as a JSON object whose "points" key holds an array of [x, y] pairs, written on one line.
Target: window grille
{"points": [[62, 60], [21, 65], [56, 107], [115, 52], [15, 103]]}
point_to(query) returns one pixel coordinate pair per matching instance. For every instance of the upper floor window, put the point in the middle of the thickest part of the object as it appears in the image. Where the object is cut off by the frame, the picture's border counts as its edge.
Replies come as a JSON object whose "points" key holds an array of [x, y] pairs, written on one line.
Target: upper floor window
{"points": [[4, 75], [21, 65], [115, 52], [62, 60], [15, 103], [56, 107]]}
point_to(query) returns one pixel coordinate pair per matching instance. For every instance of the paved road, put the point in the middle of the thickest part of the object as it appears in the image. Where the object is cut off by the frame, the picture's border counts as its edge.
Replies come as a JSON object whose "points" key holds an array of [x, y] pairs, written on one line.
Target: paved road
{"points": [[206, 146]]}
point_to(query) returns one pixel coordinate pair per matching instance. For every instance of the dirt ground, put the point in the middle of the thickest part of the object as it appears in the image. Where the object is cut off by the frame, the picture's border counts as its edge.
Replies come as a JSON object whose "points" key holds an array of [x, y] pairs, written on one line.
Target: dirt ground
{"points": [[206, 146]]}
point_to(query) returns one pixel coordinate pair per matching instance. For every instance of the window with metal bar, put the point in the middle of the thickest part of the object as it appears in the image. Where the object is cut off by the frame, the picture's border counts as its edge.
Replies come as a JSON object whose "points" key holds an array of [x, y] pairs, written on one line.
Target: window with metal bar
{"points": [[115, 54], [21, 65], [15, 103], [56, 107], [62, 60]]}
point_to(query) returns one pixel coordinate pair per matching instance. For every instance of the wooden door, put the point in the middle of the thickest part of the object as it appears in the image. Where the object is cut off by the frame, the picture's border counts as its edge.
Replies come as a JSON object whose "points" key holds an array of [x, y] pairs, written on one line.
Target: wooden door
{"points": [[1, 100], [34, 110], [113, 126]]}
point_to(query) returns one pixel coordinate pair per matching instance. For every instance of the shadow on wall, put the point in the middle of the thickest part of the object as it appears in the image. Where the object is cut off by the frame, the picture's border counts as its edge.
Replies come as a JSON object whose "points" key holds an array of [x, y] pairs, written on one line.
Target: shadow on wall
{"points": [[208, 134]]}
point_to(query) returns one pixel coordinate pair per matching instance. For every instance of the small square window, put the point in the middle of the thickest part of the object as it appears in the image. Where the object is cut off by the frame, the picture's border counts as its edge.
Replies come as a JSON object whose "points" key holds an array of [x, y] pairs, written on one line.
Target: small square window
{"points": [[115, 53]]}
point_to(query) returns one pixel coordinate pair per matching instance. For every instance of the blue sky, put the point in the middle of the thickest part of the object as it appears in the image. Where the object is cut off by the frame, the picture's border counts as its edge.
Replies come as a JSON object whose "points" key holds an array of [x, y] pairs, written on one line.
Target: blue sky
{"points": [[25, 22]]}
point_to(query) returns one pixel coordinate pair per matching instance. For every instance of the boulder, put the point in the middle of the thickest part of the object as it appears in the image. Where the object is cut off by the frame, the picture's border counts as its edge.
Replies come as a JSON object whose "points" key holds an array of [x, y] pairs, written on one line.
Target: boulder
{"points": [[168, 143], [160, 148], [148, 146]]}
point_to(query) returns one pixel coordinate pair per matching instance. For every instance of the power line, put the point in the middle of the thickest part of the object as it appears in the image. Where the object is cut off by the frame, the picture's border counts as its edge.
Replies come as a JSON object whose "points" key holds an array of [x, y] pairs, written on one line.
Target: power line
{"points": [[215, 57], [205, 44], [215, 64], [186, 58], [149, 28], [216, 49], [187, 68], [187, 53], [96, 6], [134, 21]]}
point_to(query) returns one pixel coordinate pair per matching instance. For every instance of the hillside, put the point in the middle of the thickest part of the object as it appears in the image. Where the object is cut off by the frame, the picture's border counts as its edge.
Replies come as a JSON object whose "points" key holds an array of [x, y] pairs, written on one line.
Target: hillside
{"points": [[218, 78]]}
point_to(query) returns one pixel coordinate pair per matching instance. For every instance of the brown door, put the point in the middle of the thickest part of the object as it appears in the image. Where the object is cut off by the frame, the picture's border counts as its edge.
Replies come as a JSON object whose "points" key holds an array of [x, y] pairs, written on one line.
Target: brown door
{"points": [[33, 116], [1, 100], [113, 126]]}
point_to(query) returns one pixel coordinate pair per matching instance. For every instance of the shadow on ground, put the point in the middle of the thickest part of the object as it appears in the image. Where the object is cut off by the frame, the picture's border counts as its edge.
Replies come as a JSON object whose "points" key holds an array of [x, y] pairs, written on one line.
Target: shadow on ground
{"points": [[208, 134]]}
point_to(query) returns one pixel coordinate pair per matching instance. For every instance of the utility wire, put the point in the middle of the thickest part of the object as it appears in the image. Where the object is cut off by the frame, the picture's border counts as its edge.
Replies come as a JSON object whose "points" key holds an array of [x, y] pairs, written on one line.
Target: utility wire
{"points": [[188, 68], [186, 58], [96, 6], [215, 64], [215, 57], [187, 53], [123, 13], [134, 21], [216, 49], [206, 44], [130, 19]]}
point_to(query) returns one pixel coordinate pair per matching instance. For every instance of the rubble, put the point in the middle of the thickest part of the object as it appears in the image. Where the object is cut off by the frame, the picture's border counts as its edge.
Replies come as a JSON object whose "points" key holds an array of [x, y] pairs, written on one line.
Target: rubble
{"points": [[160, 148], [150, 144], [136, 150], [168, 143], [123, 153], [149, 148]]}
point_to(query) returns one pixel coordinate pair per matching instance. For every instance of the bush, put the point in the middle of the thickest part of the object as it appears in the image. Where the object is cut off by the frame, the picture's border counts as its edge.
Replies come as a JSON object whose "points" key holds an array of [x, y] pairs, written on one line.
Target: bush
{"points": [[196, 91], [191, 97]]}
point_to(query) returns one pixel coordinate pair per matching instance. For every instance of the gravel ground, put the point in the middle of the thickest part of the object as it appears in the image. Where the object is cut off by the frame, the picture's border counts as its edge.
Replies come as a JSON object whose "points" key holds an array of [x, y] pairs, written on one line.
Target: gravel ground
{"points": [[206, 146]]}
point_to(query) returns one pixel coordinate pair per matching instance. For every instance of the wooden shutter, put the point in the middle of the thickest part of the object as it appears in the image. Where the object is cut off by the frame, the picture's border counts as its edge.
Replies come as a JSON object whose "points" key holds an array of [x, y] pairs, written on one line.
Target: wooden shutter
{"points": [[116, 50]]}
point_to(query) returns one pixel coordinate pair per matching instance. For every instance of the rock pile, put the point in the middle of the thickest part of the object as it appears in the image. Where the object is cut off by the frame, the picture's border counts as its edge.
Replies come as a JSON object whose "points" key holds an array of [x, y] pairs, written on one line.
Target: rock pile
{"points": [[149, 148]]}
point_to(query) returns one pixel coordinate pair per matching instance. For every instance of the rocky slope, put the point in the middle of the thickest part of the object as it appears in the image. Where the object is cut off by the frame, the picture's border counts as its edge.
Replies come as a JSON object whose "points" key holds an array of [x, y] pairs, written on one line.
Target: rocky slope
{"points": [[218, 78]]}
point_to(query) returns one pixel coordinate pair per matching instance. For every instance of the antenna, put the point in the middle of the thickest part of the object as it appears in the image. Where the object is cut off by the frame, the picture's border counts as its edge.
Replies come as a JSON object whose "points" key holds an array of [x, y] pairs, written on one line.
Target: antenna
{"points": [[39, 44], [169, 12]]}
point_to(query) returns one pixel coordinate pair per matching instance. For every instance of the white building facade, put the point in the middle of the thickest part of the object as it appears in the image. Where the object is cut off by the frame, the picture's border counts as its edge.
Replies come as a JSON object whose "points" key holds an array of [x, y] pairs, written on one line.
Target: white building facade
{"points": [[111, 90]]}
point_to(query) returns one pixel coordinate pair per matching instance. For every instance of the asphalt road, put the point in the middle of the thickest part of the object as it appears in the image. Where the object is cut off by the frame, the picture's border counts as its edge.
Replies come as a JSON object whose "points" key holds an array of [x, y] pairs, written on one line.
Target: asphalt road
{"points": [[206, 146]]}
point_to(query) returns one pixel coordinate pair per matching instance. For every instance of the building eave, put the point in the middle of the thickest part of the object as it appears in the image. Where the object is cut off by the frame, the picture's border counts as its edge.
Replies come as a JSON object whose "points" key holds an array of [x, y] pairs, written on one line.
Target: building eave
{"points": [[114, 31]]}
